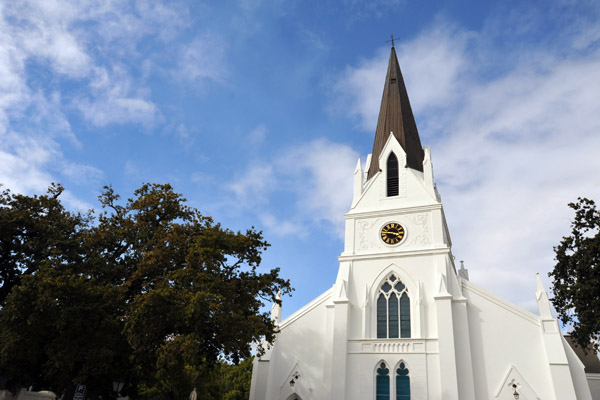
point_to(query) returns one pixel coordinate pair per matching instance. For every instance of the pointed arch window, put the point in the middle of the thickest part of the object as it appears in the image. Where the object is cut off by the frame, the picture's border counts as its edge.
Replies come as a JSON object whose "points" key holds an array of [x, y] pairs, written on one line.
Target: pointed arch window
{"points": [[382, 383], [392, 175], [402, 383], [393, 310]]}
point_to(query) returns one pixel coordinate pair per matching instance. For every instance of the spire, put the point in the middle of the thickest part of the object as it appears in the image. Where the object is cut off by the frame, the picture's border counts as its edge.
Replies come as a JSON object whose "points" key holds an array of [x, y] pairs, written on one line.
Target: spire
{"points": [[276, 308], [395, 115], [542, 299]]}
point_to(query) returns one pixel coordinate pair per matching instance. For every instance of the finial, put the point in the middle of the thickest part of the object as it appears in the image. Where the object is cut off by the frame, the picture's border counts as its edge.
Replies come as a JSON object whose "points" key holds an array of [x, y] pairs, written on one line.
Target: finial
{"points": [[392, 40]]}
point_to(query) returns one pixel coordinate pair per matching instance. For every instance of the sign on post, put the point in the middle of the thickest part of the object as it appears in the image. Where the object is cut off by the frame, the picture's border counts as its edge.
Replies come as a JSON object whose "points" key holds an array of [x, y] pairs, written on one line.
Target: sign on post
{"points": [[79, 393]]}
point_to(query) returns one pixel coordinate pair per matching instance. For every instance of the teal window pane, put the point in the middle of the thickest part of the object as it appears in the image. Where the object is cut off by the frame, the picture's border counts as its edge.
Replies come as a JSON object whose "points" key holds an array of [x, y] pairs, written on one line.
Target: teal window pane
{"points": [[402, 387], [399, 286], [402, 383], [382, 384], [393, 318], [381, 317], [405, 316], [386, 287]]}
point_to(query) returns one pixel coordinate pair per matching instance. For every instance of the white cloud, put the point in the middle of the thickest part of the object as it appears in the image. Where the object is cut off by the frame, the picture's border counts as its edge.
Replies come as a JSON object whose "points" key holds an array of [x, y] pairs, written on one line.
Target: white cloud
{"points": [[282, 226], [252, 187], [203, 60], [314, 180], [258, 134], [326, 192], [357, 93], [22, 162], [74, 42]]}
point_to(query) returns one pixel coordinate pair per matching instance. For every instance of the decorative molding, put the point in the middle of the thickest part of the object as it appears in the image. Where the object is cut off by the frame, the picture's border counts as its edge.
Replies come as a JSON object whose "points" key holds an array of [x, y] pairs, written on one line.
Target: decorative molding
{"points": [[399, 253], [392, 346], [513, 377], [469, 288], [307, 308], [364, 228], [398, 347], [421, 221], [394, 211]]}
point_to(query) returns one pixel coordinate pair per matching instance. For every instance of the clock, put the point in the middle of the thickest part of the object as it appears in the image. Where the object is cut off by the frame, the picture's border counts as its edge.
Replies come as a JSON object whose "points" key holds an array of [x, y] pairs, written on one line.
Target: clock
{"points": [[392, 233]]}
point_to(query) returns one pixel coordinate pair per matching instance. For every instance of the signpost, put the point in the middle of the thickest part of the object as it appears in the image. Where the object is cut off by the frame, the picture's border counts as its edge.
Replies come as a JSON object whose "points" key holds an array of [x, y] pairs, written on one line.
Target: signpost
{"points": [[79, 393]]}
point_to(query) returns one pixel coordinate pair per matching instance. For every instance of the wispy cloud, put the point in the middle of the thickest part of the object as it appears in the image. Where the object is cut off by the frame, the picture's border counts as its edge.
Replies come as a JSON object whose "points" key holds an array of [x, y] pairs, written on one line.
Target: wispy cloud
{"points": [[258, 135], [203, 60], [314, 180], [46, 46]]}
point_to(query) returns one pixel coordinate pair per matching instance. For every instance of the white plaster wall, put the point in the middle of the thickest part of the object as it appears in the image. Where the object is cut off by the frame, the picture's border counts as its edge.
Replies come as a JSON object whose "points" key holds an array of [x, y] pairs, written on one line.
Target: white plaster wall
{"points": [[577, 371], [361, 374], [301, 341], [594, 384], [416, 272], [503, 335]]}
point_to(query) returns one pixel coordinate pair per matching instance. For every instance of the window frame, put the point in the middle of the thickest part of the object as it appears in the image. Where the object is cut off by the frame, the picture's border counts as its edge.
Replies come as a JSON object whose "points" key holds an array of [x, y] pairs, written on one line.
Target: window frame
{"points": [[392, 175], [402, 333]]}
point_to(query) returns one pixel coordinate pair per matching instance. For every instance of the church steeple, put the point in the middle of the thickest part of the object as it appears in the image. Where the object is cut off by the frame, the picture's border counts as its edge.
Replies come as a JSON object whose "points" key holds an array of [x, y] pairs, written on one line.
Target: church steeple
{"points": [[396, 116]]}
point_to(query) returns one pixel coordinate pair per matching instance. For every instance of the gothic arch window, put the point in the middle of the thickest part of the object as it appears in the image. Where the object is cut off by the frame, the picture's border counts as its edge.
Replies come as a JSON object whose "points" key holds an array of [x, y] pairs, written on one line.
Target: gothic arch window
{"points": [[392, 175], [402, 383], [382, 383], [393, 309]]}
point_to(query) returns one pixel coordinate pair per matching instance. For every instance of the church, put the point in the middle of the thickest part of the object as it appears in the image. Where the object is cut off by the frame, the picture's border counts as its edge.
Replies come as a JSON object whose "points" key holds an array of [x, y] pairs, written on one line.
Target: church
{"points": [[401, 321]]}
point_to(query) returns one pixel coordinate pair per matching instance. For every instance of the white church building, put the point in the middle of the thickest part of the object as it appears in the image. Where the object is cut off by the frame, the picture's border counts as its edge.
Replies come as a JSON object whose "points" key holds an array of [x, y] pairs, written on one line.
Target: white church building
{"points": [[401, 322]]}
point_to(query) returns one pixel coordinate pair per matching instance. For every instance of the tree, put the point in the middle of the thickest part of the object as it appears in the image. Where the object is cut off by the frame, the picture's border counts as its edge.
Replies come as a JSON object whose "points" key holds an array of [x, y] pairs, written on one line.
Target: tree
{"points": [[33, 230], [228, 381], [157, 294], [576, 275]]}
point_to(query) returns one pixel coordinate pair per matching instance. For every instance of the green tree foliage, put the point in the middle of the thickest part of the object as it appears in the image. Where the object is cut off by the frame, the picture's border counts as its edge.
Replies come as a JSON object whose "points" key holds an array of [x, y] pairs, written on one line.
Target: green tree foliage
{"points": [[153, 292], [228, 382], [576, 275], [33, 231]]}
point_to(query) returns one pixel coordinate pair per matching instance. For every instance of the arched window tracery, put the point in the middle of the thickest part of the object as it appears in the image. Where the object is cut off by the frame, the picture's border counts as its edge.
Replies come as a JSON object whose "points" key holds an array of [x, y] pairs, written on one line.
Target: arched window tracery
{"points": [[393, 309]]}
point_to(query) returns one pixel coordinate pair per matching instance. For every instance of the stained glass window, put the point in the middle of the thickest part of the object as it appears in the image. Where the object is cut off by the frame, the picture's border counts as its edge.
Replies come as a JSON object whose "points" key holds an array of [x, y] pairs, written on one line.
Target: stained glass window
{"points": [[402, 383], [393, 318], [382, 385], [381, 316], [393, 309], [405, 316]]}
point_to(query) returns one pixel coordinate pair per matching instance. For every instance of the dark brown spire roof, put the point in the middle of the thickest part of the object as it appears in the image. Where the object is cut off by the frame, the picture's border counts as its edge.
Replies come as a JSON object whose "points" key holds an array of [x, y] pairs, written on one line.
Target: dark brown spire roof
{"points": [[396, 116]]}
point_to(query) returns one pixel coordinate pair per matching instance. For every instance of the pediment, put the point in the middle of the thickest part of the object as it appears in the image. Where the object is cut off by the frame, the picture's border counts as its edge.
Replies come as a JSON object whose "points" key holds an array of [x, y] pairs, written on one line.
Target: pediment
{"points": [[514, 381], [296, 385]]}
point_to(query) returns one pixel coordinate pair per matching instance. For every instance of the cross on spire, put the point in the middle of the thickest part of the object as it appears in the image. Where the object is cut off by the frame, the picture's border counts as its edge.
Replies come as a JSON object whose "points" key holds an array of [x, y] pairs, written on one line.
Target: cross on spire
{"points": [[392, 39]]}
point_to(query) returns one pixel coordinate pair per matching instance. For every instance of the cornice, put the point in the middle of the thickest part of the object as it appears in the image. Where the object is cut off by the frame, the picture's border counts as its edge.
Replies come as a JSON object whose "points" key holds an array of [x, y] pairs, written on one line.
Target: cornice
{"points": [[499, 301], [402, 210], [406, 253], [307, 308]]}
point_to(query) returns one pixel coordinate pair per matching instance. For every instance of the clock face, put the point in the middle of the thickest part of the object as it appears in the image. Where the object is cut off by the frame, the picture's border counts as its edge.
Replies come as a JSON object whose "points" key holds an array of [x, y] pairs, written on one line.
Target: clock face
{"points": [[392, 233]]}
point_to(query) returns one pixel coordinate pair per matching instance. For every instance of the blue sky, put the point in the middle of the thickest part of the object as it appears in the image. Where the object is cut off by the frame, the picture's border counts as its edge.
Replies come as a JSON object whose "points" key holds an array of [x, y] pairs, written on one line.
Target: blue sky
{"points": [[258, 110]]}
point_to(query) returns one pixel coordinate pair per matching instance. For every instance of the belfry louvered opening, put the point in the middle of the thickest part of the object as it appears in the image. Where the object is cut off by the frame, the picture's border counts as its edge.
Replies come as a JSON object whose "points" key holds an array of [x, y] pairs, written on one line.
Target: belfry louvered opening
{"points": [[392, 175]]}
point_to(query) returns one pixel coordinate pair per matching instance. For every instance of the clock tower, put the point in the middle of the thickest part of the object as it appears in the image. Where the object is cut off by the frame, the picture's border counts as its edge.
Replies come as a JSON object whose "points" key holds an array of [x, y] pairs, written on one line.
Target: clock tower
{"points": [[400, 322]]}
